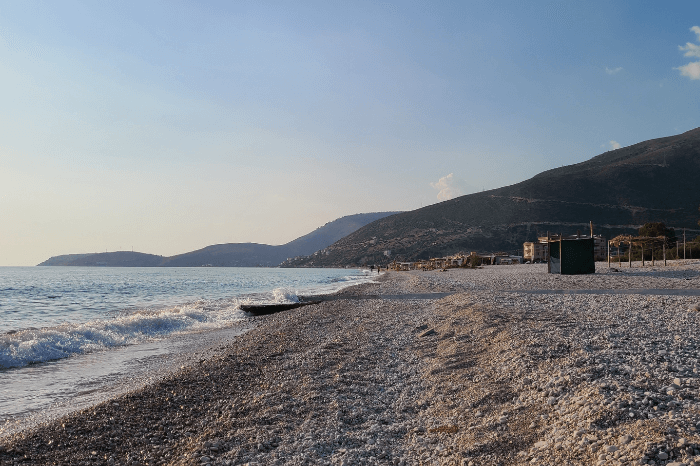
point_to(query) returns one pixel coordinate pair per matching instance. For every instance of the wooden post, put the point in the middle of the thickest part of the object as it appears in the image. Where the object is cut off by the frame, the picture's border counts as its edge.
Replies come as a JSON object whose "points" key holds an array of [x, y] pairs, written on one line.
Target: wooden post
{"points": [[619, 257], [630, 254], [591, 222], [608, 253], [652, 256], [561, 258], [683, 243], [664, 246], [642, 254], [549, 256]]}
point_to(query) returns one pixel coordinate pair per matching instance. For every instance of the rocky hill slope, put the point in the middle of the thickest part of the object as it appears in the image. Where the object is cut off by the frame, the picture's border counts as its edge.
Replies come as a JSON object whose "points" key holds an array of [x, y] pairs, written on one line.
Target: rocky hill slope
{"points": [[228, 255], [656, 180]]}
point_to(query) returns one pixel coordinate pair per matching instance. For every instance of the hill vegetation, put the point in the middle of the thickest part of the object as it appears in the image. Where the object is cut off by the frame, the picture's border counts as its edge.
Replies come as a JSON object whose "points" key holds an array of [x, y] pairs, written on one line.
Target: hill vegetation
{"points": [[619, 191]]}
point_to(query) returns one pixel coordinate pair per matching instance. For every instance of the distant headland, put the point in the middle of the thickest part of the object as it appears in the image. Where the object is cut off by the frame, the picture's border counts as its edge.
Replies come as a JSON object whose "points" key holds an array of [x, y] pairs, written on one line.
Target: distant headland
{"points": [[227, 255]]}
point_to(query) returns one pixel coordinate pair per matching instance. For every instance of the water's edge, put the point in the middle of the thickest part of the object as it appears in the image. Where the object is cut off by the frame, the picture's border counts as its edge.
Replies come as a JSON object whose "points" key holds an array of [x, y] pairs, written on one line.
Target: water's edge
{"points": [[39, 392]]}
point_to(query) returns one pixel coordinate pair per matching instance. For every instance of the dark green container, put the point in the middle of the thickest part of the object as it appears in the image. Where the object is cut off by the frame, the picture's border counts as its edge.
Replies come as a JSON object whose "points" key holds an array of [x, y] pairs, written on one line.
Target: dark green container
{"points": [[572, 256]]}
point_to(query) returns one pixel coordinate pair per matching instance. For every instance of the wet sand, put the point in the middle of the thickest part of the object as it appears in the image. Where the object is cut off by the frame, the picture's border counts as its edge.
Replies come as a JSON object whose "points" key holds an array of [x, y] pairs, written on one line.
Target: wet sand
{"points": [[479, 376]]}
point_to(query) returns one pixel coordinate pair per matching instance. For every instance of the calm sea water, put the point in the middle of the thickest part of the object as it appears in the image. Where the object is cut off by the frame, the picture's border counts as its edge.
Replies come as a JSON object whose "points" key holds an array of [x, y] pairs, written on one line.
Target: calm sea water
{"points": [[70, 335]]}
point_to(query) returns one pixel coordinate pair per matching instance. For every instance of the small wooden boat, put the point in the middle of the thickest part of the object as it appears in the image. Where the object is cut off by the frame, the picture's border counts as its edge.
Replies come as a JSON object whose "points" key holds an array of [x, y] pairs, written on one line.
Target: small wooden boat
{"points": [[265, 309]]}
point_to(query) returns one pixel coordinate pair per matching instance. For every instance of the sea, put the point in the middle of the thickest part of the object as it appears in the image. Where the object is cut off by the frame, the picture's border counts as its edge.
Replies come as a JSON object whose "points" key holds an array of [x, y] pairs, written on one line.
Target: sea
{"points": [[74, 336]]}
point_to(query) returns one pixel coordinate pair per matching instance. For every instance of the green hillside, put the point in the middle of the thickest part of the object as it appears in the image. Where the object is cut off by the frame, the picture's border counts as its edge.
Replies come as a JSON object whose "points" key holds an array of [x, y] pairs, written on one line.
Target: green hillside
{"points": [[618, 191]]}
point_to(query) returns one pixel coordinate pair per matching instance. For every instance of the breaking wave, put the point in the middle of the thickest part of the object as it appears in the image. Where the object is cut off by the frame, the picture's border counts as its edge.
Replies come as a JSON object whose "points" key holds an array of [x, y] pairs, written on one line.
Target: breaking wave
{"points": [[24, 347], [27, 346]]}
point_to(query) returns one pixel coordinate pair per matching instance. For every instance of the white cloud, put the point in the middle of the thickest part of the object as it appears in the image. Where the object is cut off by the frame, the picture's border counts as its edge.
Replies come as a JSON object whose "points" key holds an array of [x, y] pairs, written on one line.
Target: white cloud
{"points": [[447, 186], [615, 145], [692, 69], [613, 70], [691, 50]]}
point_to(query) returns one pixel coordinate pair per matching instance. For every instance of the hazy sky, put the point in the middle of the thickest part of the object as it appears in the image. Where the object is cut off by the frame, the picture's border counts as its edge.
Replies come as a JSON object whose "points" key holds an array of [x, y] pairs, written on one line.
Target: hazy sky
{"points": [[169, 126]]}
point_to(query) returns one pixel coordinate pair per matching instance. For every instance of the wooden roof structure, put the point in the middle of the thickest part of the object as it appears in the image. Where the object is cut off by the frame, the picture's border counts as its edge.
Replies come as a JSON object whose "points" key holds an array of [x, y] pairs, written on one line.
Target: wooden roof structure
{"points": [[638, 240], [644, 242]]}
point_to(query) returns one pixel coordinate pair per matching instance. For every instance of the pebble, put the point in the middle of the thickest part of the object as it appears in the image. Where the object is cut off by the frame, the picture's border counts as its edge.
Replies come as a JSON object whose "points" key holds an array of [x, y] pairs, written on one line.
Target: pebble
{"points": [[357, 381]]}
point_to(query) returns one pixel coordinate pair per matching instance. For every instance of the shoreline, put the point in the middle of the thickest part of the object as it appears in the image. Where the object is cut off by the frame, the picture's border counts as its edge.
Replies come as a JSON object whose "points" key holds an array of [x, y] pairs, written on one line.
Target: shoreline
{"points": [[71, 384], [482, 376]]}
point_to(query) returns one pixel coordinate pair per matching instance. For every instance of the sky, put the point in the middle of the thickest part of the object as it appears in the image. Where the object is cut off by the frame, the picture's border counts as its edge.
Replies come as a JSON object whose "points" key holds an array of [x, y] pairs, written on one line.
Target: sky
{"points": [[164, 127]]}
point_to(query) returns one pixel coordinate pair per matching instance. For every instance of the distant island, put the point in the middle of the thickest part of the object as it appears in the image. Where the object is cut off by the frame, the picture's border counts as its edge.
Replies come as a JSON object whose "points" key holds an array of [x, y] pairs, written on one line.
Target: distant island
{"points": [[227, 255]]}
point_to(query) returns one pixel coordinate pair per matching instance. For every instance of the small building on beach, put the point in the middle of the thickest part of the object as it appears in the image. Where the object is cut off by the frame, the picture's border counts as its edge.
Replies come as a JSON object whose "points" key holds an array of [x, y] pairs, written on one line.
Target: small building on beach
{"points": [[571, 255], [535, 252], [538, 251]]}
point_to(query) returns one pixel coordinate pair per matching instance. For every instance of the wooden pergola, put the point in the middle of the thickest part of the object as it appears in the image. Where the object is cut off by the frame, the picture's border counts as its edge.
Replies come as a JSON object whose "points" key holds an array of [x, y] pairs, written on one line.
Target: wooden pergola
{"points": [[648, 242]]}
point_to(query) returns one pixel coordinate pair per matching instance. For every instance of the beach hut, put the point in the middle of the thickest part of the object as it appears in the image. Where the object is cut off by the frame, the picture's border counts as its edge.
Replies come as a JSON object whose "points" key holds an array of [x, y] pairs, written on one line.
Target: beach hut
{"points": [[571, 255]]}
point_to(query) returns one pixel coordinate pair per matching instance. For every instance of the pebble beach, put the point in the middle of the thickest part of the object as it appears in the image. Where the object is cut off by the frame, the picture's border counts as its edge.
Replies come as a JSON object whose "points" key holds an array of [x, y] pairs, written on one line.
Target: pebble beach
{"points": [[501, 365]]}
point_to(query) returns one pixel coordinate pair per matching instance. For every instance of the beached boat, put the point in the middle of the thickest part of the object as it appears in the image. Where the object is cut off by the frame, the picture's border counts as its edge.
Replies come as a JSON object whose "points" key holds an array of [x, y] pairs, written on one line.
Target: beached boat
{"points": [[265, 309]]}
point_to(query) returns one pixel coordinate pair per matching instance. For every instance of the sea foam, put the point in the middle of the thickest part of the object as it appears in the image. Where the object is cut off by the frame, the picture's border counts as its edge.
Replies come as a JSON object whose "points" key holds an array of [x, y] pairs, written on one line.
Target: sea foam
{"points": [[30, 346], [55, 339]]}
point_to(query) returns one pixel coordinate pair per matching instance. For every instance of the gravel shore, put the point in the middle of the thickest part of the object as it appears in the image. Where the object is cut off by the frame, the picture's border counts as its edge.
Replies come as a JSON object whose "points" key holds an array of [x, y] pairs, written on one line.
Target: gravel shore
{"points": [[491, 374]]}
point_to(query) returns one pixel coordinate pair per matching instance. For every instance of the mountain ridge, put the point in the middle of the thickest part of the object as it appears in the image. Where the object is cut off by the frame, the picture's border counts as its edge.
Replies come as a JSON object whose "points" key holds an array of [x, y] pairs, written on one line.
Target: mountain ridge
{"points": [[227, 254], [617, 190]]}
